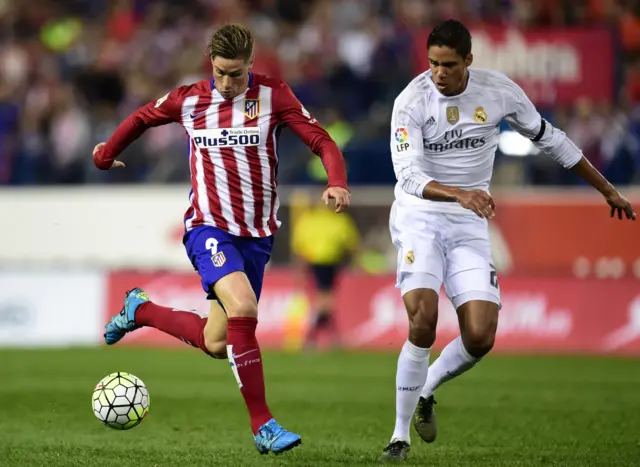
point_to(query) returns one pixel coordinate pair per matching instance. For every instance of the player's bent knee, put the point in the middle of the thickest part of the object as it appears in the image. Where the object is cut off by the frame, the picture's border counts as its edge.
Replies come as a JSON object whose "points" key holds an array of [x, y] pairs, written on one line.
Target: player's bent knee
{"points": [[478, 325], [217, 349], [242, 309], [236, 295], [422, 309], [421, 333], [478, 341]]}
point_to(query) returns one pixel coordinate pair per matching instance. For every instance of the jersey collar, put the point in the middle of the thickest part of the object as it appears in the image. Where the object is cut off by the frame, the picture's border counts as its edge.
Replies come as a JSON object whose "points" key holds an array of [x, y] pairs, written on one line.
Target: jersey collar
{"points": [[213, 80], [442, 96]]}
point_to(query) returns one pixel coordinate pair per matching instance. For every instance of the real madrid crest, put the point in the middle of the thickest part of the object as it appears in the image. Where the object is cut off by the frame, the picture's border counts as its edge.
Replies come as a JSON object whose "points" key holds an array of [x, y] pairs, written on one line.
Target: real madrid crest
{"points": [[453, 115], [480, 116], [410, 258]]}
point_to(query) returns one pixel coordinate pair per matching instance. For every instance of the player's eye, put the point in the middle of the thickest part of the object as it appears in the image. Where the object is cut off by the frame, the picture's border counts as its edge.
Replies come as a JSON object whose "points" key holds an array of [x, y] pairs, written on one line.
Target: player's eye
{"points": [[235, 74]]}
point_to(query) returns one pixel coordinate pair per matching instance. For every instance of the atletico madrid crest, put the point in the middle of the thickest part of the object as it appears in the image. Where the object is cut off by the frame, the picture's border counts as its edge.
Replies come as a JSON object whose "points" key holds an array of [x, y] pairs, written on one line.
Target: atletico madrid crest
{"points": [[251, 108], [219, 259]]}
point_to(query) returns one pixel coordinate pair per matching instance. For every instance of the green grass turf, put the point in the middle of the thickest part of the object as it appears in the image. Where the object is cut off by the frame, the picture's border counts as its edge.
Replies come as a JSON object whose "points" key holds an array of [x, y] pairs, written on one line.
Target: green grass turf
{"points": [[508, 411]]}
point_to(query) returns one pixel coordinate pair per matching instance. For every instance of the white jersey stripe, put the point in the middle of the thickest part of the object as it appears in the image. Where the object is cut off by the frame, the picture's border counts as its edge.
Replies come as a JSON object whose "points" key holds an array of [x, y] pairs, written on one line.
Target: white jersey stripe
{"points": [[221, 180], [264, 122], [276, 205], [203, 199], [203, 196], [188, 222], [240, 153], [187, 109]]}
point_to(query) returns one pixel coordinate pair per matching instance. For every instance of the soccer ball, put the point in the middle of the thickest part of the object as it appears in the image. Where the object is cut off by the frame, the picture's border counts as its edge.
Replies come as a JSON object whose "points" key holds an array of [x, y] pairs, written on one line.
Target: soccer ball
{"points": [[120, 401]]}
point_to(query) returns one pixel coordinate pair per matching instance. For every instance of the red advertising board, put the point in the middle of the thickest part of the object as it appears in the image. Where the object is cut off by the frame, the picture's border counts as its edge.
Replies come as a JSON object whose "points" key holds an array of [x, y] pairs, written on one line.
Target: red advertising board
{"points": [[550, 315], [568, 235], [554, 65]]}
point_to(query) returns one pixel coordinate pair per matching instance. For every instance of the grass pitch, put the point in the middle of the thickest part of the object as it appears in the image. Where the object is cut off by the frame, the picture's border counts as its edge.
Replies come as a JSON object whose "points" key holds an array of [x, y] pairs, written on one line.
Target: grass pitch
{"points": [[508, 411]]}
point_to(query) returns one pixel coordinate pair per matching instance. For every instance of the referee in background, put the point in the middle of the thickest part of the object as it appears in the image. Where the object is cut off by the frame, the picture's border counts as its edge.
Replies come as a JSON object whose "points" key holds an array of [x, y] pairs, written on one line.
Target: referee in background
{"points": [[323, 244]]}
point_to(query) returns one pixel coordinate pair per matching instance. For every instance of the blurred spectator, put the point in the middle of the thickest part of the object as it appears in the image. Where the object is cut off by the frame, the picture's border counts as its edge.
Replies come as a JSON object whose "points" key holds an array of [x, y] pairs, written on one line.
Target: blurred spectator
{"points": [[73, 70], [70, 138]]}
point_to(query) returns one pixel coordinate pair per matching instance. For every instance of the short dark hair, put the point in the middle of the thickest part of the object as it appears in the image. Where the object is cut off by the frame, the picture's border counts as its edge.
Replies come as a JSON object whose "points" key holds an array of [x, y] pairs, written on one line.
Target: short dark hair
{"points": [[453, 34], [232, 41]]}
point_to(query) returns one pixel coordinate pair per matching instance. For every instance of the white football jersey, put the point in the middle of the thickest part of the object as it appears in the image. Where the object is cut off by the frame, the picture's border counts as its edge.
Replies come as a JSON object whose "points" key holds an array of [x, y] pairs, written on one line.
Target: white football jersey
{"points": [[453, 139]]}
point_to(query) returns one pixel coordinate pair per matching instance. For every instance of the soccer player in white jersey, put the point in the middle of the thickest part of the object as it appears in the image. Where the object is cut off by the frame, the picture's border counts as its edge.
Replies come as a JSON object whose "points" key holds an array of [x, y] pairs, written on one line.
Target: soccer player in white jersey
{"points": [[444, 133]]}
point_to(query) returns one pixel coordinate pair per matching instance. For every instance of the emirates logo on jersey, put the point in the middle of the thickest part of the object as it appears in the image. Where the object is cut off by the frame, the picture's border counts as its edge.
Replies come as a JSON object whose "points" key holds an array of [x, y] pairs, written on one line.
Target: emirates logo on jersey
{"points": [[251, 108]]}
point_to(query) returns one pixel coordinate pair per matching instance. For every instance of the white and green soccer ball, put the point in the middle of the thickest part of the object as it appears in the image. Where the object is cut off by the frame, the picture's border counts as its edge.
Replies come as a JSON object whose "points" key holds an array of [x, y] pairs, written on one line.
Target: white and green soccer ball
{"points": [[120, 400]]}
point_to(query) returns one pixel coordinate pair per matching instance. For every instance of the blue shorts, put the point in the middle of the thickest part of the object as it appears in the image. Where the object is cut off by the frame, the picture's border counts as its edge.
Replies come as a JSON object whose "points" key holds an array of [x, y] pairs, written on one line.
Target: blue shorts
{"points": [[215, 253]]}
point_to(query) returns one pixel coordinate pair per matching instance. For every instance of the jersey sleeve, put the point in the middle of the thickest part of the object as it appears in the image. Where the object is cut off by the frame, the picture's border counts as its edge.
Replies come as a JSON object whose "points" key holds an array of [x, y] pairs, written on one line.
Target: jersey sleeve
{"points": [[524, 118], [521, 115], [165, 110], [406, 145], [292, 113]]}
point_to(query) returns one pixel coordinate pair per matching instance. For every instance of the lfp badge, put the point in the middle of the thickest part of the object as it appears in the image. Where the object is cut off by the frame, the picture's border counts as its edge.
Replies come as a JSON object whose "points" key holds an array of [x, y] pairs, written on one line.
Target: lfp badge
{"points": [[402, 138]]}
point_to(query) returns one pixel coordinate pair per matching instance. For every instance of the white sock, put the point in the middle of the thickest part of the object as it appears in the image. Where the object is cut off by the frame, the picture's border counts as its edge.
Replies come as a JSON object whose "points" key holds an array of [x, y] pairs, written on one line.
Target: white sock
{"points": [[453, 361], [413, 366]]}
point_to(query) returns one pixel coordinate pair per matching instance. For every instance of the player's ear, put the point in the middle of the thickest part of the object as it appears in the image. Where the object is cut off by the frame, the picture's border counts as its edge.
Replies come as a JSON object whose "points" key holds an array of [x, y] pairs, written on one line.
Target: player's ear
{"points": [[469, 60], [251, 60]]}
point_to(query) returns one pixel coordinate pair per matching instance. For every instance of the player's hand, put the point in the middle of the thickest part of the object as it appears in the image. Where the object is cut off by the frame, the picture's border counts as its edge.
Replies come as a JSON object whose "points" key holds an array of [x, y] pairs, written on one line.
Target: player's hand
{"points": [[619, 204], [478, 201], [341, 196], [96, 151]]}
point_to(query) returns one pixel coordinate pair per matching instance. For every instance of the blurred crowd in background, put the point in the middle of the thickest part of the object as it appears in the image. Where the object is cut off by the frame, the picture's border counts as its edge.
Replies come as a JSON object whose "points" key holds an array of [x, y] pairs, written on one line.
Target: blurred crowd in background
{"points": [[71, 70]]}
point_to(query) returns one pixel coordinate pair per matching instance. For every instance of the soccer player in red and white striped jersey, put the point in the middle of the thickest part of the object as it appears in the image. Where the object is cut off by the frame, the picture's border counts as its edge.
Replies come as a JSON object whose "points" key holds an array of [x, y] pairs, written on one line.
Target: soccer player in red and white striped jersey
{"points": [[232, 122]]}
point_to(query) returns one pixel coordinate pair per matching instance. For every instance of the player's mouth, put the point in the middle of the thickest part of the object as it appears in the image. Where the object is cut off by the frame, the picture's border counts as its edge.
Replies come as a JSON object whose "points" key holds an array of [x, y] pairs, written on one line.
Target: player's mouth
{"points": [[227, 94], [441, 86]]}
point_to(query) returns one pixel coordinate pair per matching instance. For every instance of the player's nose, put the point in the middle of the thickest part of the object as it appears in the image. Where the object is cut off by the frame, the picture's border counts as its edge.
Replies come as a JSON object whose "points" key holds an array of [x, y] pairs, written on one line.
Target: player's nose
{"points": [[441, 73]]}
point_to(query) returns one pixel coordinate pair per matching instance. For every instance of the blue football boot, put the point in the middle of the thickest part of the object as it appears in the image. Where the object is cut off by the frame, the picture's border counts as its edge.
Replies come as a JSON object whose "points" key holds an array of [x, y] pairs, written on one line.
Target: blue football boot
{"points": [[125, 321], [272, 437]]}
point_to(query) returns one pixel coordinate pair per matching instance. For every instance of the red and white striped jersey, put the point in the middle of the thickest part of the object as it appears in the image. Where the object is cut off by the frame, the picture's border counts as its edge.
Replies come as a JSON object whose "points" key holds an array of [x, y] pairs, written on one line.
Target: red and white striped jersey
{"points": [[232, 150]]}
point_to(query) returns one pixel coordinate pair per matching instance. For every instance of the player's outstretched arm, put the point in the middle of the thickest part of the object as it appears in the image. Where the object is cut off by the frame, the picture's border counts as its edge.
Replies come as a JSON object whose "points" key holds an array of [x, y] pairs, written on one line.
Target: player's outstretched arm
{"points": [[619, 204], [165, 110], [291, 112], [526, 120], [97, 153]]}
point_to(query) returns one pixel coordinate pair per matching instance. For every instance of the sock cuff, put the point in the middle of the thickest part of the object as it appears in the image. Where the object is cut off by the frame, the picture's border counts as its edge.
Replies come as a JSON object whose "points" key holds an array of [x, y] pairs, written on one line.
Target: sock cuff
{"points": [[242, 323], [415, 353], [464, 353]]}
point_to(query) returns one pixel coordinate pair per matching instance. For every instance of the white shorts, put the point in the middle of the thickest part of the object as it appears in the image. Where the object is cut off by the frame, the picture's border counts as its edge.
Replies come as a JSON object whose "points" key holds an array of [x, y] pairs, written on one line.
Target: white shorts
{"points": [[436, 248]]}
